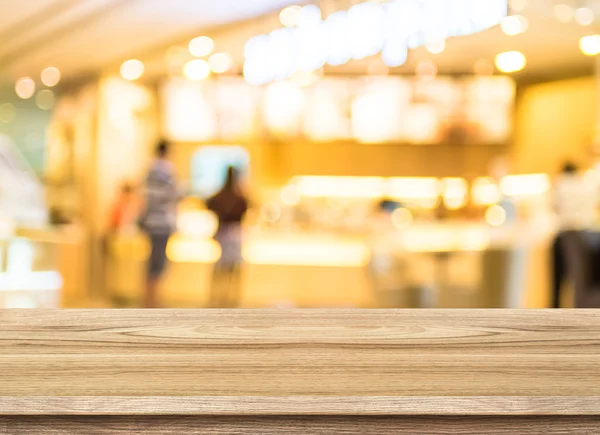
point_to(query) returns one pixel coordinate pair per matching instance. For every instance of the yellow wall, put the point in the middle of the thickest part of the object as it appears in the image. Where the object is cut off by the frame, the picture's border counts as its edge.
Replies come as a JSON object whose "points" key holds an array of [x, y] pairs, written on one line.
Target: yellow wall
{"points": [[555, 121]]}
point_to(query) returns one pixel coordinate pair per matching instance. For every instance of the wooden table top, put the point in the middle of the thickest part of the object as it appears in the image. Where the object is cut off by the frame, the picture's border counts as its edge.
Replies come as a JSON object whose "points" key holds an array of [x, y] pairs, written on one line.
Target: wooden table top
{"points": [[300, 362]]}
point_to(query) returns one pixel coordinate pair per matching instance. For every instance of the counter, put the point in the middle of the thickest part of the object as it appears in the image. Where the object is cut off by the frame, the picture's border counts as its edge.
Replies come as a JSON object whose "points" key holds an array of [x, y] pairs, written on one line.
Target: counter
{"points": [[280, 371], [326, 269]]}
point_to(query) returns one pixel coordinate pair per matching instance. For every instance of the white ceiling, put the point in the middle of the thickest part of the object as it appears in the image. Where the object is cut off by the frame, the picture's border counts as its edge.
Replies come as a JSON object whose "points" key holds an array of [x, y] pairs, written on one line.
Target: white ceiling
{"points": [[85, 36]]}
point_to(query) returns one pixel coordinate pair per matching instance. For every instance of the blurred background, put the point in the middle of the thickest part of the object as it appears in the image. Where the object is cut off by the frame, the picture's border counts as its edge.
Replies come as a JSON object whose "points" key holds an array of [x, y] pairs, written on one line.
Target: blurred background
{"points": [[397, 153]]}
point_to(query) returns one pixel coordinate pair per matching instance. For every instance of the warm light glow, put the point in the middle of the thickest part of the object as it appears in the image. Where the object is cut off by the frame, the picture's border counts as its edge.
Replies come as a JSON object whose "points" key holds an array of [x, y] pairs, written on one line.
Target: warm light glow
{"points": [[455, 193], [422, 191], [25, 88], [511, 61], [197, 69], [340, 187], [45, 99], [290, 196], [563, 13], [283, 106], [303, 78], [289, 16], [436, 47], [525, 185], [514, 25], [132, 69], [495, 216], [307, 251], [197, 223], [201, 46], [590, 45], [447, 238], [308, 16], [220, 62], [7, 113], [401, 218], [30, 281], [485, 191], [190, 250], [51, 76], [584, 16]]}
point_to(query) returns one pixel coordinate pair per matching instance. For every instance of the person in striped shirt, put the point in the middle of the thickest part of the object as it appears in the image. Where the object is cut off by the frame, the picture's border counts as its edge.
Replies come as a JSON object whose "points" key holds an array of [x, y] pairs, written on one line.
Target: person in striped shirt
{"points": [[159, 217]]}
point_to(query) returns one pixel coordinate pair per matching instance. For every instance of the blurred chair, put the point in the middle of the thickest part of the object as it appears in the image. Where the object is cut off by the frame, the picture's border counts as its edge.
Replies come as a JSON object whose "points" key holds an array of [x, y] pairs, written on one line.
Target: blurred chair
{"points": [[582, 266]]}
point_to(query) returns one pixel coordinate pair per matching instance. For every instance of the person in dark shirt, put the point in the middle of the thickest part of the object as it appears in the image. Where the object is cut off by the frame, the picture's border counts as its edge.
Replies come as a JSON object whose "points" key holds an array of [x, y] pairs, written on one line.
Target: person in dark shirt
{"points": [[230, 206]]}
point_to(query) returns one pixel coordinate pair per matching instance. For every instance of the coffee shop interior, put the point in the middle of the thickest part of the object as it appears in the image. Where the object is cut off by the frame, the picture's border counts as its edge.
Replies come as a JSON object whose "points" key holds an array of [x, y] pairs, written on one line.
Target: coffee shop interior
{"points": [[391, 153]]}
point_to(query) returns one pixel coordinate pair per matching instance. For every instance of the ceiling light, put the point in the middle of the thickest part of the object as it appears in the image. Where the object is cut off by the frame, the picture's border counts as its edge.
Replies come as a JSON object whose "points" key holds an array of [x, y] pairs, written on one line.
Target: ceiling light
{"points": [[511, 61], [514, 25], [25, 88], [196, 69], [45, 99], [309, 15], [220, 62], [436, 47], [590, 45], [51, 76], [201, 46], [394, 54], [563, 13], [289, 16], [584, 16], [132, 69]]}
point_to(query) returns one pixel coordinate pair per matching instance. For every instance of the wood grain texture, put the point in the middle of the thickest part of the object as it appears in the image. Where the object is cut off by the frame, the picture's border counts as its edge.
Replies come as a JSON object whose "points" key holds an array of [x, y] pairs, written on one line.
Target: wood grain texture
{"points": [[301, 425], [250, 362], [301, 405]]}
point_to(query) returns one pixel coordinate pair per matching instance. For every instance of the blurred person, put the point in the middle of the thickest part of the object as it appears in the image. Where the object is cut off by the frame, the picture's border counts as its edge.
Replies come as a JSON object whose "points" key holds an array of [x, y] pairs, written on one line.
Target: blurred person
{"points": [[159, 217], [575, 204], [123, 216], [230, 205], [125, 209]]}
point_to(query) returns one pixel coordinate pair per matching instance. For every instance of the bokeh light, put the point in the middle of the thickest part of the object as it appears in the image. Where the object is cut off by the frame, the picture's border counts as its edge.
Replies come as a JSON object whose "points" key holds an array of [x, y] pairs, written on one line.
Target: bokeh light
{"points": [[436, 47], [564, 13], [45, 99], [51, 76], [289, 16], [201, 46], [514, 25], [25, 88], [495, 216], [197, 69], [590, 45], [511, 61], [132, 69], [220, 63], [584, 16]]}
